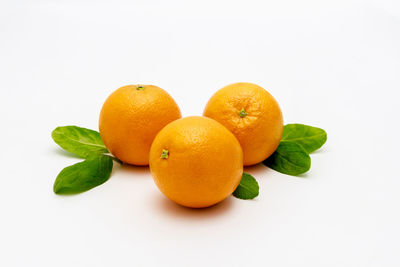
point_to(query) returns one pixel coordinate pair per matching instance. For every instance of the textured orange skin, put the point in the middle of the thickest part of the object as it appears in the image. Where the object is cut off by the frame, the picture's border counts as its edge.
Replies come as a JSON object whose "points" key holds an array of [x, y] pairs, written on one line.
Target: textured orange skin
{"points": [[260, 132], [131, 118], [204, 165]]}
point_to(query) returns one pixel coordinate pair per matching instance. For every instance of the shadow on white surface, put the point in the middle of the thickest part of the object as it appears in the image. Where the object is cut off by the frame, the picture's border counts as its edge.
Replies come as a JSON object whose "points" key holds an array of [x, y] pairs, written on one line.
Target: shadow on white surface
{"points": [[130, 169], [304, 176], [167, 207], [257, 169]]}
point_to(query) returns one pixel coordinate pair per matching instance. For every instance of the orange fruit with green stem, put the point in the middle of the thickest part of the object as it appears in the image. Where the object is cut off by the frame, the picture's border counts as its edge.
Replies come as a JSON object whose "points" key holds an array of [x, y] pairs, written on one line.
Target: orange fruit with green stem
{"points": [[196, 162], [252, 115], [130, 119]]}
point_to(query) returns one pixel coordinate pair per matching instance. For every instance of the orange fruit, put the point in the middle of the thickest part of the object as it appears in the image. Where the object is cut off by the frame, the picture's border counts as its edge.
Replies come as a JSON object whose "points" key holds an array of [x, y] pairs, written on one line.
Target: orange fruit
{"points": [[196, 162], [130, 119], [252, 115]]}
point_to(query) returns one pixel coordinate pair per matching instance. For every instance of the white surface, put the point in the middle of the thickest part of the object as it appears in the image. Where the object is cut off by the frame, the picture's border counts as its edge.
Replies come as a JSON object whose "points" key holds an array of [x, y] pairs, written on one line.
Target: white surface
{"points": [[333, 64]]}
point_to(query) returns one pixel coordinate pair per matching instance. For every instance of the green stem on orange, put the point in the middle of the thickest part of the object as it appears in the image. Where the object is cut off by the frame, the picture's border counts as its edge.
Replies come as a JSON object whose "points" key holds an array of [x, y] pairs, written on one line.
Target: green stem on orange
{"points": [[242, 113], [164, 154]]}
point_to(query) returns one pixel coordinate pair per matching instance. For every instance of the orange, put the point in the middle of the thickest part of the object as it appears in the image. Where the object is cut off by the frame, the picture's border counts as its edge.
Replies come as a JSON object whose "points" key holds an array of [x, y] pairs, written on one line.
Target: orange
{"points": [[130, 119], [252, 115], [196, 162]]}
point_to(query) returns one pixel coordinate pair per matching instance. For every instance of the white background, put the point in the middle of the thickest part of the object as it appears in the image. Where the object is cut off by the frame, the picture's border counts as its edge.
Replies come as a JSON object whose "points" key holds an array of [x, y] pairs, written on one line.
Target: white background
{"points": [[331, 64]]}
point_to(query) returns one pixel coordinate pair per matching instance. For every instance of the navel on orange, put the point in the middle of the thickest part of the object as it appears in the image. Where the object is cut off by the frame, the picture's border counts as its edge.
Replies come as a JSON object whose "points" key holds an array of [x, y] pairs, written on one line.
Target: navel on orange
{"points": [[252, 115], [130, 119], [196, 162]]}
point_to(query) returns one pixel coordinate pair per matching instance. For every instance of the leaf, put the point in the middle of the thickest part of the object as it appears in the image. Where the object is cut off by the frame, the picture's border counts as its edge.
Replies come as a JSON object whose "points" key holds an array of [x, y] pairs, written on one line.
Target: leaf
{"points": [[84, 175], [80, 141], [311, 138], [289, 158], [248, 187]]}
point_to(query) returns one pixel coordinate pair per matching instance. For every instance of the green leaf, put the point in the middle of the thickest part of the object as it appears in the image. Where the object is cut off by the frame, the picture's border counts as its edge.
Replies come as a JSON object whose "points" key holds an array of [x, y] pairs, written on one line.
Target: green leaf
{"points": [[80, 141], [248, 187], [289, 158], [311, 138], [84, 175]]}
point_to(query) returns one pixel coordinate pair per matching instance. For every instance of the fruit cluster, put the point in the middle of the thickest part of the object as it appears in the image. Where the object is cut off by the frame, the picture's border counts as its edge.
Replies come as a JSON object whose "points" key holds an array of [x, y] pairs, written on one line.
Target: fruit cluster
{"points": [[195, 161]]}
